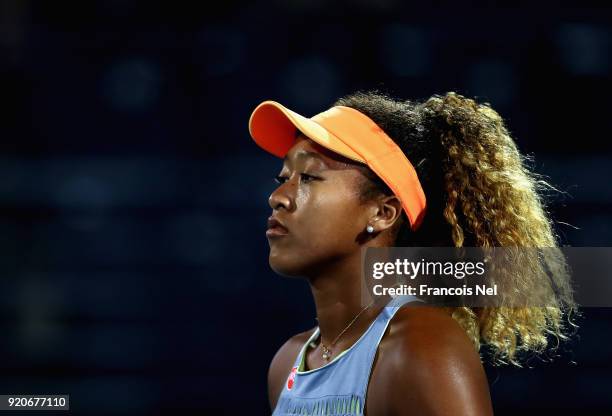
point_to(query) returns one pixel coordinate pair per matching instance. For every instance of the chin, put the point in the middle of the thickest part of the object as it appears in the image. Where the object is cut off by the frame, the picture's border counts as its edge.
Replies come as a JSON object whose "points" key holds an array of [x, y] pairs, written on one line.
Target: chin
{"points": [[284, 270], [285, 267]]}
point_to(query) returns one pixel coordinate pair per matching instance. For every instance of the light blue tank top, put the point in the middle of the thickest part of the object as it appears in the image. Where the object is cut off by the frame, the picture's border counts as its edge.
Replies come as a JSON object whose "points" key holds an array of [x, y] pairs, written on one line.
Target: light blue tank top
{"points": [[339, 387]]}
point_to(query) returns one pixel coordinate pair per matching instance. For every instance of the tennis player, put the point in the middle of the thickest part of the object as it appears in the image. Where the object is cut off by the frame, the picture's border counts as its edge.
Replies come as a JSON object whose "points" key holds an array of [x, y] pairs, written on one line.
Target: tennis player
{"points": [[373, 171]]}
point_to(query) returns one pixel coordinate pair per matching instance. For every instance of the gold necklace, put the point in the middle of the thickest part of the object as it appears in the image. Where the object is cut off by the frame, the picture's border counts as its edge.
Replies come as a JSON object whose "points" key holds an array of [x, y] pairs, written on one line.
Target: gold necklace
{"points": [[326, 354]]}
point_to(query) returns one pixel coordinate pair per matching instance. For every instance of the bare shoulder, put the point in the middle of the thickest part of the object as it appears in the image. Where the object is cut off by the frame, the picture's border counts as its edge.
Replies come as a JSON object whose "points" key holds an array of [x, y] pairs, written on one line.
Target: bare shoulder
{"points": [[427, 363], [280, 367]]}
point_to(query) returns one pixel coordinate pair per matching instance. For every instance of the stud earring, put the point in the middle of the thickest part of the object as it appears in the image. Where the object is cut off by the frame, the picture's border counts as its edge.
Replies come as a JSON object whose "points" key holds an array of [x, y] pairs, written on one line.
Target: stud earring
{"points": [[370, 229]]}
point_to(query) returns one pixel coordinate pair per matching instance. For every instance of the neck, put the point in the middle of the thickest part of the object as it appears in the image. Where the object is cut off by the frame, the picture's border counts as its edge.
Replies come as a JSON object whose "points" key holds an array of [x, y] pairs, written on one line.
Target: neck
{"points": [[337, 293]]}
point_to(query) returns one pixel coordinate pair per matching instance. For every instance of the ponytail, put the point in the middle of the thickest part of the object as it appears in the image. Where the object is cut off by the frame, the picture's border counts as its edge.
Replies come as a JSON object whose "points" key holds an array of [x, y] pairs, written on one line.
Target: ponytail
{"points": [[481, 193]]}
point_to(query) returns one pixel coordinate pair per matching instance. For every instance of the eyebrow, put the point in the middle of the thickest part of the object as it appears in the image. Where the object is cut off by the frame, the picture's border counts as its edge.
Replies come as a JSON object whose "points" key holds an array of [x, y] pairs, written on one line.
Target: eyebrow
{"points": [[303, 154]]}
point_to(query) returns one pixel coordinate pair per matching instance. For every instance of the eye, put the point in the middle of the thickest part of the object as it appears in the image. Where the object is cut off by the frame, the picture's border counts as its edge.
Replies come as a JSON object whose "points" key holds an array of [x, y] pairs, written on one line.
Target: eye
{"points": [[279, 179], [306, 177], [303, 176]]}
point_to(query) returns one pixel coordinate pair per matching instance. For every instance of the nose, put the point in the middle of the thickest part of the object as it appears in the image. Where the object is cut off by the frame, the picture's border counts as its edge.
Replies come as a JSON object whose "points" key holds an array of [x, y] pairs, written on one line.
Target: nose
{"points": [[280, 197]]}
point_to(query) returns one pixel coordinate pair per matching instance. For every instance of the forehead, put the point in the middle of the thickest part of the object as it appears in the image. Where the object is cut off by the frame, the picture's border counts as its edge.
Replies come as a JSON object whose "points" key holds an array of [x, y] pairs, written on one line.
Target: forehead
{"points": [[304, 147]]}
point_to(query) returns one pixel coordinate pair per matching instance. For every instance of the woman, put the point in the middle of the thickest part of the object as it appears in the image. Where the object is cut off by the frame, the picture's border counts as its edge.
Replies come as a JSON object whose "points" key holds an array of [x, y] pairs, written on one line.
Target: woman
{"points": [[377, 172]]}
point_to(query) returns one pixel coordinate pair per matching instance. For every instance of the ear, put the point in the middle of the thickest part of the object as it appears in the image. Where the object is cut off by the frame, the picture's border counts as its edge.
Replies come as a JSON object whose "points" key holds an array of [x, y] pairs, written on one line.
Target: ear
{"points": [[388, 212]]}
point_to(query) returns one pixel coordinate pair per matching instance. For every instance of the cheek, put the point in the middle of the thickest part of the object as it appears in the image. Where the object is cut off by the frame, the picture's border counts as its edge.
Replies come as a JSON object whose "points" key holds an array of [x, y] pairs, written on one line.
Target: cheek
{"points": [[330, 213]]}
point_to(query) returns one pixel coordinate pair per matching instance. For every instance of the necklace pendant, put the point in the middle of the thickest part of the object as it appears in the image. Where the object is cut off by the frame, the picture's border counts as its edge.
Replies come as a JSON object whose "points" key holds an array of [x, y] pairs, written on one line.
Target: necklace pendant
{"points": [[326, 353]]}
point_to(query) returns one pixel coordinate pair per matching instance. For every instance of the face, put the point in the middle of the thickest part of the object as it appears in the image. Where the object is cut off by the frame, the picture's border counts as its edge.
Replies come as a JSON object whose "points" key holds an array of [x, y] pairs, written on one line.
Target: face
{"points": [[317, 200]]}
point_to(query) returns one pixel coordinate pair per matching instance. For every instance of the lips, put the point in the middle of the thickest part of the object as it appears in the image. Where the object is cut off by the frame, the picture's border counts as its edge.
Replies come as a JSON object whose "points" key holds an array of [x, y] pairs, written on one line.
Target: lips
{"points": [[276, 228]]}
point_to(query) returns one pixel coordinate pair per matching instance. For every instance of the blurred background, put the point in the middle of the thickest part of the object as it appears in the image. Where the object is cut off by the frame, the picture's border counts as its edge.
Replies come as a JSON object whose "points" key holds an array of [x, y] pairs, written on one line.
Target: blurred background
{"points": [[134, 271]]}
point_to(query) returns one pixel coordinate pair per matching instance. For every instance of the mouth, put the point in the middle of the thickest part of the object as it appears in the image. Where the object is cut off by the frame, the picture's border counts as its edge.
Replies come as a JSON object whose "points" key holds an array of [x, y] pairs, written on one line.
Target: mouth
{"points": [[275, 232], [275, 228]]}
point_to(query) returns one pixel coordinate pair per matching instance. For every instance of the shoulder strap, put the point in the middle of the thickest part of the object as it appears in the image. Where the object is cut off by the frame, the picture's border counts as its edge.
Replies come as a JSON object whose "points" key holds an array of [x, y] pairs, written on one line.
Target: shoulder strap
{"points": [[378, 331]]}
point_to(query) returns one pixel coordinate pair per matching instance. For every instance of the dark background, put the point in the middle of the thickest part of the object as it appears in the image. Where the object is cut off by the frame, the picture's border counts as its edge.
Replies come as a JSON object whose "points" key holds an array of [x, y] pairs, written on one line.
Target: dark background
{"points": [[133, 202]]}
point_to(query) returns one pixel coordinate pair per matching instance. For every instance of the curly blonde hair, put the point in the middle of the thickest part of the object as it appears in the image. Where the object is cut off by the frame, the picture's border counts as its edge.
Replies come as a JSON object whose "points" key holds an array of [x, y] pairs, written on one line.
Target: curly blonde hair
{"points": [[481, 193]]}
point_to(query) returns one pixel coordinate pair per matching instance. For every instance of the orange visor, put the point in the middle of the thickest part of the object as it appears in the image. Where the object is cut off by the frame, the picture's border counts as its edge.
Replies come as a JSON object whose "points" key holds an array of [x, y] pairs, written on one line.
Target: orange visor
{"points": [[350, 133]]}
